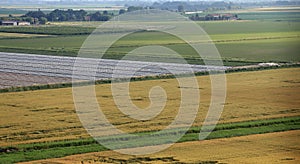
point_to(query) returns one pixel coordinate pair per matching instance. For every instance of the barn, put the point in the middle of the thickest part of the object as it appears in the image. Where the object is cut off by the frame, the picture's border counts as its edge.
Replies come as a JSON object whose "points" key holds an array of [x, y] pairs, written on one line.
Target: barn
{"points": [[9, 23]]}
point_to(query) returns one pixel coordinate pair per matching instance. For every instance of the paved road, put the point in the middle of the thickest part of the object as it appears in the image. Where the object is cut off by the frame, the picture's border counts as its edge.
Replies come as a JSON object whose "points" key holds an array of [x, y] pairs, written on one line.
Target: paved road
{"points": [[63, 67]]}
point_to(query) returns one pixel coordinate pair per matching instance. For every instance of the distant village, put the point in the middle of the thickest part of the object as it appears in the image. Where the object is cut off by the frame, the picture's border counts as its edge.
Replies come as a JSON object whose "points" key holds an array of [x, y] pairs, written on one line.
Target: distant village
{"points": [[214, 17]]}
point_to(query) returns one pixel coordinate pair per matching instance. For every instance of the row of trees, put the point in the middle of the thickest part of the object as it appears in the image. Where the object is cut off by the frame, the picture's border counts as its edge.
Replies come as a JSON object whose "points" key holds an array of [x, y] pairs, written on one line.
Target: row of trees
{"points": [[72, 15], [39, 17], [69, 15], [35, 17], [66, 15]]}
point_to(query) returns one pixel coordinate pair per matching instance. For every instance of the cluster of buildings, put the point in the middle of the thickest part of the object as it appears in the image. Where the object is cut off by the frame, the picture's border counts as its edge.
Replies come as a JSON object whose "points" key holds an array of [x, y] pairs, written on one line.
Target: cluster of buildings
{"points": [[214, 17], [221, 17], [14, 23]]}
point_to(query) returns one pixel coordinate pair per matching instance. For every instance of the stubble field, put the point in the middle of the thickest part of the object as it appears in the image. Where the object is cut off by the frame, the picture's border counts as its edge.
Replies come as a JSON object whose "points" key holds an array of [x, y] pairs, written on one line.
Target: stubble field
{"points": [[48, 115]]}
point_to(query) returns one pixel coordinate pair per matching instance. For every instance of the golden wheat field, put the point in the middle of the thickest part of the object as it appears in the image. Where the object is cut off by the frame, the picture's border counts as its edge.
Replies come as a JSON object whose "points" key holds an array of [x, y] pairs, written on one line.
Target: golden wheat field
{"points": [[48, 115], [281, 147]]}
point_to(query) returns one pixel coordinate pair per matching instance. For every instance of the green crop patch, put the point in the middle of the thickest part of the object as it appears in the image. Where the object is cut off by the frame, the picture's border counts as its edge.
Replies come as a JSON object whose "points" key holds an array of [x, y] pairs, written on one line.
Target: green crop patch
{"points": [[238, 42]]}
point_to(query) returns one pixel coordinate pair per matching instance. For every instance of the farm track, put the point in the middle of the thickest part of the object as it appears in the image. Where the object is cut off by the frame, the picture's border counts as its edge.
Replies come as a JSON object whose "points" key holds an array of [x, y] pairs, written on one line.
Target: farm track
{"points": [[27, 69]]}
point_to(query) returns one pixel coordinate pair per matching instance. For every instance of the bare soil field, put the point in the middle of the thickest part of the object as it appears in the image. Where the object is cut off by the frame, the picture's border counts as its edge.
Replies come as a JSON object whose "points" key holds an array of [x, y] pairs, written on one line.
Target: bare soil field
{"points": [[49, 115], [280, 147]]}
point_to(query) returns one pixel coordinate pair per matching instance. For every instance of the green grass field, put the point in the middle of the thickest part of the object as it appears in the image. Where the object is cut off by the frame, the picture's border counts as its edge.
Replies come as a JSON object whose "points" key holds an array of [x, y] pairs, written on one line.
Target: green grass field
{"points": [[239, 43], [7, 11], [275, 14], [49, 30], [288, 16]]}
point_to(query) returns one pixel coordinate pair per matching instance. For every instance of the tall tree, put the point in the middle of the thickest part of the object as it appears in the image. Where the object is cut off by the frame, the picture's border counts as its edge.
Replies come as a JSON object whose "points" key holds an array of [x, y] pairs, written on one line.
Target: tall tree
{"points": [[134, 8], [35, 14], [181, 8], [122, 11], [43, 20]]}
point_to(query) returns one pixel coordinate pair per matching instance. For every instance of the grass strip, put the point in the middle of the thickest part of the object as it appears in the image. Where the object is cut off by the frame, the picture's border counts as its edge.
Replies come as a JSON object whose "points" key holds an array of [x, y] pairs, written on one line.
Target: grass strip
{"points": [[37, 151]]}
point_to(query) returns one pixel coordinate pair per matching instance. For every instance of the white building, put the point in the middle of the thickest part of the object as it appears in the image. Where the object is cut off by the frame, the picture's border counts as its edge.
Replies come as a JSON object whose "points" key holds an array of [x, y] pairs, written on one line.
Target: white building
{"points": [[23, 23], [9, 23], [14, 23]]}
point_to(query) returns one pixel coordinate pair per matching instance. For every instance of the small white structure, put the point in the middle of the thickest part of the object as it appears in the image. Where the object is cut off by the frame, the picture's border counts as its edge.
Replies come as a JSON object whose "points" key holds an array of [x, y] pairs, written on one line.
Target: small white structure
{"points": [[23, 23], [14, 23], [268, 64], [193, 12]]}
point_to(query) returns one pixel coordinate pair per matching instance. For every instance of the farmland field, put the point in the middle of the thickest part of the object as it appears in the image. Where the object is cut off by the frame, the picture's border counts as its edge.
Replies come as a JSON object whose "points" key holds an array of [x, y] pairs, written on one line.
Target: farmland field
{"points": [[4, 35], [259, 123], [276, 14], [8, 80], [238, 42], [247, 149], [7, 11], [29, 69], [256, 95], [46, 116], [50, 30]]}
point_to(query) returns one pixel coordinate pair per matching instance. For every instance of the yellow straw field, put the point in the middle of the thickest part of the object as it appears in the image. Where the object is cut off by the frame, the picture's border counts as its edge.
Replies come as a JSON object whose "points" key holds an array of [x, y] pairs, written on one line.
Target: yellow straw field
{"points": [[48, 115]]}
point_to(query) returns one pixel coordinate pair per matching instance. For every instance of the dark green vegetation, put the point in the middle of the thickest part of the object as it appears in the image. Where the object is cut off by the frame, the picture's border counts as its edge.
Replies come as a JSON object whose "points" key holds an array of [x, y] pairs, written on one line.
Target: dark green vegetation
{"points": [[70, 15], [29, 152], [39, 17]]}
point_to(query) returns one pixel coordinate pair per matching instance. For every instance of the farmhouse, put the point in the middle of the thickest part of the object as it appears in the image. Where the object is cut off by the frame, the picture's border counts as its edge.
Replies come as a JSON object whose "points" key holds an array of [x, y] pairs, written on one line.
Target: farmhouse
{"points": [[14, 23], [214, 17], [23, 23], [268, 64], [9, 23], [193, 12], [221, 17]]}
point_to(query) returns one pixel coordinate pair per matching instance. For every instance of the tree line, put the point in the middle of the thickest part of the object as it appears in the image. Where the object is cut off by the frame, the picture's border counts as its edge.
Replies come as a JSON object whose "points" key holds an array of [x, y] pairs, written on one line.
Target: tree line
{"points": [[39, 17], [67, 15]]}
